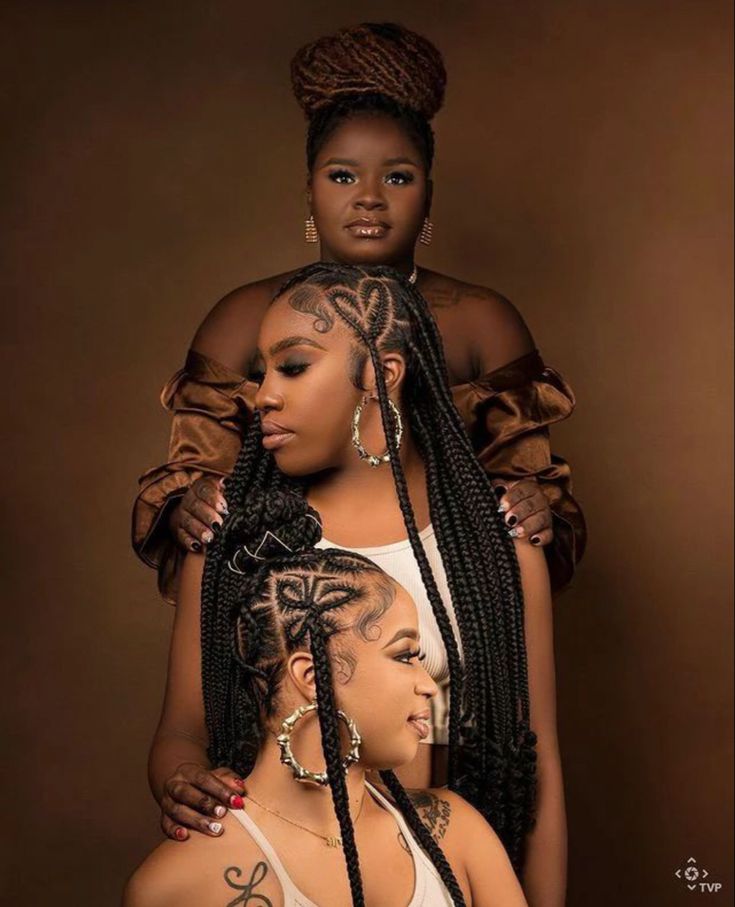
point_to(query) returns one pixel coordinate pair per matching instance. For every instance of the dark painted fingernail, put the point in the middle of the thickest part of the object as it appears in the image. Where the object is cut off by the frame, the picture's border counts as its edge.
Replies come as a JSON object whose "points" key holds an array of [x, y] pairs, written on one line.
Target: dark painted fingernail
{"points": [[512, 520], [500, 490], [237, 802], [196, 547], [216, 526], [181, 834], [535, 540]]}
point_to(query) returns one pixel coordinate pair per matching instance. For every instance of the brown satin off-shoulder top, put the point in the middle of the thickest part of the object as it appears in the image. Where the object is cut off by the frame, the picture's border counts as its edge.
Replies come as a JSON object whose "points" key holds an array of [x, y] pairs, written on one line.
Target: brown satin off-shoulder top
{"points": [[507, 414]]}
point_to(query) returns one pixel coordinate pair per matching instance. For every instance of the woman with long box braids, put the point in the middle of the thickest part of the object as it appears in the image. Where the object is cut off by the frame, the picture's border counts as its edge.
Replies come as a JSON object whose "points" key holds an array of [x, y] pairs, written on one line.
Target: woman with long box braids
{"points": [[313, 641], [369, 94], [353, 411]]}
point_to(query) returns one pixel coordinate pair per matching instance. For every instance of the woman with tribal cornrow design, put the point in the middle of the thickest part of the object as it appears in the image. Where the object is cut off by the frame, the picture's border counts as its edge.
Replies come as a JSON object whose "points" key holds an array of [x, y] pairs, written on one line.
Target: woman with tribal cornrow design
{"points": [[335, 339], [316, 640], [369, 93]]}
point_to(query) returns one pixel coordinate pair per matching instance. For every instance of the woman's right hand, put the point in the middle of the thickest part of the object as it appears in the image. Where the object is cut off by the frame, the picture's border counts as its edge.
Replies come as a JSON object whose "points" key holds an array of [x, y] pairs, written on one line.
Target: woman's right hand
{"points": [[193, 520], [195, 797]]}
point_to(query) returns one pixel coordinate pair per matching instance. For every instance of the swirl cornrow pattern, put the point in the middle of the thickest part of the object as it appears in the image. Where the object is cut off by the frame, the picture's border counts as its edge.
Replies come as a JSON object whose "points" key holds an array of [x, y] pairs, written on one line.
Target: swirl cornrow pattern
{"points": [[492, 749], [492, 758], [378, 316], [287, 602]]}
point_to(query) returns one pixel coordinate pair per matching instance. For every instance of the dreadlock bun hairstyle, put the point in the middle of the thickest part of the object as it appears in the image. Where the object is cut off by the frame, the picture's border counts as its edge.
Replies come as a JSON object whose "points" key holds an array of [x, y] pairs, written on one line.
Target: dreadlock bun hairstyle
{"points": [[288, 595], [379, 68], [492, 758], [366, 59]]}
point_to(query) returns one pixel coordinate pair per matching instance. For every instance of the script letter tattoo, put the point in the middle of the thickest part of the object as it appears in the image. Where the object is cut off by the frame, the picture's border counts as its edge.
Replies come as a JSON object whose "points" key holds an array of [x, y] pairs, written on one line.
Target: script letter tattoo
{"points": [[248, 895]]}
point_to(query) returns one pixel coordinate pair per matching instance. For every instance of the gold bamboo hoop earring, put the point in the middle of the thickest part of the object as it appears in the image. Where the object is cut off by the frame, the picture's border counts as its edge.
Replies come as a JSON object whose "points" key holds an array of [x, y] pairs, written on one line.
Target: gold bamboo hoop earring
{"points": [[373, 459], [287, 757], [427, 231], [310, 231]]}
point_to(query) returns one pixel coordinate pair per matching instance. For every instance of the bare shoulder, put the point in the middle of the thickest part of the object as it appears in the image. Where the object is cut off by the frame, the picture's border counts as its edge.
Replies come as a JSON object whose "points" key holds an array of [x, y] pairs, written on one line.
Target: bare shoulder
{"points": [[230, 330], [472, 847], [494, 329], [434, 808], [204, 871], [160, 878], [448, 816]]}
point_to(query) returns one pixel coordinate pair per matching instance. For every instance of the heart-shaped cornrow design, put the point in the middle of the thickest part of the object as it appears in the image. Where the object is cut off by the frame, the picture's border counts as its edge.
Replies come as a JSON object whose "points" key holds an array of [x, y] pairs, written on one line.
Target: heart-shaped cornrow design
{"points": [[490, 747]]}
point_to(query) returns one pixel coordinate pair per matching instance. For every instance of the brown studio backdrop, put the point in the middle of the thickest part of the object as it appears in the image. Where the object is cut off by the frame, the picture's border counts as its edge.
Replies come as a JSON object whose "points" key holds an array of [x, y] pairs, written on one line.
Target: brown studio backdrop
{"points": [[155, 162]]}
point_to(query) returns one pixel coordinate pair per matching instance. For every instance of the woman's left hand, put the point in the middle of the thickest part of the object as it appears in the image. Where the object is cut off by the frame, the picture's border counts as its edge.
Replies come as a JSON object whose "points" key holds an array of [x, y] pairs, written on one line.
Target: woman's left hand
{"points": [[527, 514]]}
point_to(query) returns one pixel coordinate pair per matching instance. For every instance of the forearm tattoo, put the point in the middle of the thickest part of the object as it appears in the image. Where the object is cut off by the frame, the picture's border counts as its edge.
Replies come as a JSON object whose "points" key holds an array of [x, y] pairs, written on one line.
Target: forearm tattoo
{"points": [[248, 894], [433, 812]]}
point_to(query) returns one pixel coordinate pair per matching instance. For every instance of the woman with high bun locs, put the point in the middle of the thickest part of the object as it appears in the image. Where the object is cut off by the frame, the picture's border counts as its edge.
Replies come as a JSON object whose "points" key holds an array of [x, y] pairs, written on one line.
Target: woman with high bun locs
{"points": [[369, 93], [353, 412]]}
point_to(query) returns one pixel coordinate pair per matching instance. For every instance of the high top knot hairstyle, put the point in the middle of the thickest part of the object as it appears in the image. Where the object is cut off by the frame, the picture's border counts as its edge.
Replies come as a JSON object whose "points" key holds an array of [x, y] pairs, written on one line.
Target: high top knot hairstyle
{"points": [[306, 598], [491, 745], [374, 68], [371, 58]]}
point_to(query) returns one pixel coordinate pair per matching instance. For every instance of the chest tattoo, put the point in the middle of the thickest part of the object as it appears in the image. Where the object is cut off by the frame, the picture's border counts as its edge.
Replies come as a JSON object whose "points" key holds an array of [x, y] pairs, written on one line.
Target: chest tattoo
{"points": [[248, 895]]}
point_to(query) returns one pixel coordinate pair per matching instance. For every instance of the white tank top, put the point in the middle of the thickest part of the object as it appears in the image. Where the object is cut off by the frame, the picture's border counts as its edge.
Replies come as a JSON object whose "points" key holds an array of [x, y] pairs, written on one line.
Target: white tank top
{"points": [[429, 890], [399, 562]]}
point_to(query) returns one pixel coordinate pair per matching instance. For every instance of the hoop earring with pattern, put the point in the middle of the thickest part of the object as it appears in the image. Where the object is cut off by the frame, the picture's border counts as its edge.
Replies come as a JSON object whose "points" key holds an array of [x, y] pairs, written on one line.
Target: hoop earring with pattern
{"points": [[287, 757], [373, 459]]}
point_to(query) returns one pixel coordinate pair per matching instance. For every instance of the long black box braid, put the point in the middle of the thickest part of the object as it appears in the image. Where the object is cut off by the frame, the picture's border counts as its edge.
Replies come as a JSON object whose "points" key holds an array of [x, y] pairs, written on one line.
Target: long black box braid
{"points": [[492, 759]]}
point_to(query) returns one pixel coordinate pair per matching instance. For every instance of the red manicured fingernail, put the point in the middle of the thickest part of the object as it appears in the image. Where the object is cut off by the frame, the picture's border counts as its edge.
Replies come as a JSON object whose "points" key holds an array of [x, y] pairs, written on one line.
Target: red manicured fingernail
{"points": [[181, 834], [237, 802]]}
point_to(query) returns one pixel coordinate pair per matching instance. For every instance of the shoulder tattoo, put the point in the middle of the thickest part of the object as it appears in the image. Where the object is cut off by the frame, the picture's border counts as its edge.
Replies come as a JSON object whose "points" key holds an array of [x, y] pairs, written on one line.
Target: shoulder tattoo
{"points": [[443, 298], [248, 894], [433, 812]]}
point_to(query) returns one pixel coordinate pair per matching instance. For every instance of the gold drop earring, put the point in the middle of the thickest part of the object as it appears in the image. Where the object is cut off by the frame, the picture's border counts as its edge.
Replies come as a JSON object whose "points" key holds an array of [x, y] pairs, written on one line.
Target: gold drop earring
{"points": [[426, 232], [310, 231]]}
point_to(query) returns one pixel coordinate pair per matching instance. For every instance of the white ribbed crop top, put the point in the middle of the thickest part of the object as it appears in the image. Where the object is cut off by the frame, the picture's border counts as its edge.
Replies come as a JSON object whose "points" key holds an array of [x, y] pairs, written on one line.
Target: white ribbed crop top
{"points": [[428, 889], [398, 561]]}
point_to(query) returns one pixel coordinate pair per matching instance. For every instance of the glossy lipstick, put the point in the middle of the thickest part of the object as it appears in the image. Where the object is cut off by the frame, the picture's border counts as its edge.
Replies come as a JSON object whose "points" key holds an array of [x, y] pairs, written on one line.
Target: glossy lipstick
{"points": [[275, 435]]}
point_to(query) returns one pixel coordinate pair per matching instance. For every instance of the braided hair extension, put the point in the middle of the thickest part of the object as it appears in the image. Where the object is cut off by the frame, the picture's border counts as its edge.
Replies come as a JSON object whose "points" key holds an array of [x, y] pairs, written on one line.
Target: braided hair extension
{"points": [[373, 68], [497, 746], [420, 831], [284, 602], [492, 749]]}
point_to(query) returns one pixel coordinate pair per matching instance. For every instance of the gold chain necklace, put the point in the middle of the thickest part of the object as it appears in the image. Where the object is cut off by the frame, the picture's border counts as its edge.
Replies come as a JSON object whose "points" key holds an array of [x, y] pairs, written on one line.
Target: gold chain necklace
{"points": [[332, 840]]}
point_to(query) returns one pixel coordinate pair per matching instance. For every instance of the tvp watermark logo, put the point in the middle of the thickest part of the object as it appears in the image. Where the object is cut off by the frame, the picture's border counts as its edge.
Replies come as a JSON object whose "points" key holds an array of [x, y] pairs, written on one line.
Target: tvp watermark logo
{"points": [[695, 878]]}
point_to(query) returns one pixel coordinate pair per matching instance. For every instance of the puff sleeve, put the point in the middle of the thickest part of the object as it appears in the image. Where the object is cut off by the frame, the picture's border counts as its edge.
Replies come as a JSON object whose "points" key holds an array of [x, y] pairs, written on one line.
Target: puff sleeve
{"points": [[212, 407], [508, 413]]}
